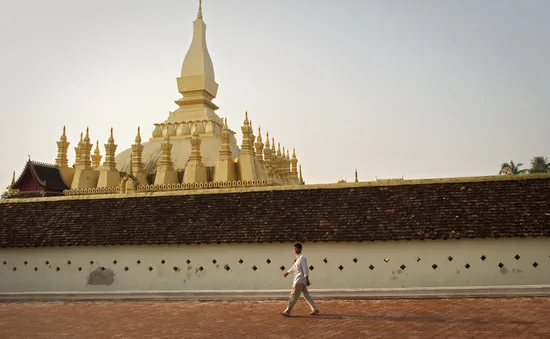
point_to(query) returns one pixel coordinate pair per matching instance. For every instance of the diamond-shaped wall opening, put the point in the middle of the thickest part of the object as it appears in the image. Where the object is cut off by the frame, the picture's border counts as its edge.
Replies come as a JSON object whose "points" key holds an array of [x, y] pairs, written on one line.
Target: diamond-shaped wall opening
{"points": [[57, 269], [35, 268], [115, 262], [402, 267], [387, 260], [226, 267], [68, 262], [254, 267], [434, 266], [163, 261], [5, 262], [188, 261], [517, 257], [14, 269], [91, 262], [79, 269], [102, 268], [25, 263], [138, 262], [126, 268], [176, 268], [311, 267], [340, 267], [501, 265], [355, 260], [240, 261], [371, 267], [268, 261], [282, 268], [214, 261], [450, 258], [325, 260], [150, 268], [47, 262], [418, 259], [201, 268], [483, 257], [535, 264], [467, 266]]}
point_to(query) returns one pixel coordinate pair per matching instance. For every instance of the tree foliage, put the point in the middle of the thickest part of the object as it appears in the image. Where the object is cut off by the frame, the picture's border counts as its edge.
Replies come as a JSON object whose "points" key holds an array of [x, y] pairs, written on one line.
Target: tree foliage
{"points": [[511, 168], [539, 165]]}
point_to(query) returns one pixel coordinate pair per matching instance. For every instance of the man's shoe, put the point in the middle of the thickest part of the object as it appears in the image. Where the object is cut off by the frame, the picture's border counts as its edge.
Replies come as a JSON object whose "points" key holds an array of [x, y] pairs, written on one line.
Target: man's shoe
{"points": [[314, 312], [286, 314]]}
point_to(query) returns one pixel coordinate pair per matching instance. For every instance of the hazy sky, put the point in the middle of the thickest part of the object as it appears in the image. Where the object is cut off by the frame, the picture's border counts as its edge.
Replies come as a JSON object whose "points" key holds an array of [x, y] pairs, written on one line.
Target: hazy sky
{"points": [[415, 88]]}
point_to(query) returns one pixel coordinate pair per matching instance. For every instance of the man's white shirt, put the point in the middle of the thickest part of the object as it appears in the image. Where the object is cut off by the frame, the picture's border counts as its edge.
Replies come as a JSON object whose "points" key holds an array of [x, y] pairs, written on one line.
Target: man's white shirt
{"points": [[300, 270]]}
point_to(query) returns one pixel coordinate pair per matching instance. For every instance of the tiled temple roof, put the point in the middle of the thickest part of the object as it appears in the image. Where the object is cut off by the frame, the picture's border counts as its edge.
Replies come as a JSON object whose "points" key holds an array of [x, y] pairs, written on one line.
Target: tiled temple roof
{"points": [[406, 211], [46, 175]]}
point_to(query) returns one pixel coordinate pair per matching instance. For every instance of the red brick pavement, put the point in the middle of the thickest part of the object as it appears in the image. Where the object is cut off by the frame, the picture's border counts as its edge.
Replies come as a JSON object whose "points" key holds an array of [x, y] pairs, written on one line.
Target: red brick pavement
{"points": [[455, 318]]}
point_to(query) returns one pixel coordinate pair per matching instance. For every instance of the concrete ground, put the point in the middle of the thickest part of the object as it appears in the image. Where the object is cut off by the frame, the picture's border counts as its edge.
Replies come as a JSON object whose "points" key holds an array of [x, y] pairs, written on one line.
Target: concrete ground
{"points": [[399, 319]]}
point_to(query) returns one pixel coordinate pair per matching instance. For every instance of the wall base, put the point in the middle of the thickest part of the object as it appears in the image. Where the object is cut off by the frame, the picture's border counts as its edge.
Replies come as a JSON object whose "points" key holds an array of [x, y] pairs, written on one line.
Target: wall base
{"points": [[231, 295]]}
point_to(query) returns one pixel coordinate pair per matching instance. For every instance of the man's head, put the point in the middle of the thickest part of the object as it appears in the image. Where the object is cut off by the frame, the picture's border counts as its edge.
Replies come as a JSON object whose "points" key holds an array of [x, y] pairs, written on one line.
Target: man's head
{"points": [[298, 248]]}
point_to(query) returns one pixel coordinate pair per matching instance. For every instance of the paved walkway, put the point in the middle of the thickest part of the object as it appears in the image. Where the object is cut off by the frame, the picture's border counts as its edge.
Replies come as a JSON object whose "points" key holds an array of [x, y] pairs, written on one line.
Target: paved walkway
{"points": [[399, 319]]}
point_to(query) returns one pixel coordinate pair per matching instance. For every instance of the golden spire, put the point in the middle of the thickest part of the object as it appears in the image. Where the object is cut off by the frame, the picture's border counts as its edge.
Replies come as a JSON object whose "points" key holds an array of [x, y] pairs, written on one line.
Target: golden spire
{"points": [[110, 149], [87, 137], [301, 177], [165, 162], [199, 14], [111, 138], [267, 158], [62, 146], [85, 149], [247, 146], [96, 158], [138, 136], [195, 148], [77, 151], [259, 147], [294, 165], [356, 177], [225, 150], [137, 149], [12, 191]]}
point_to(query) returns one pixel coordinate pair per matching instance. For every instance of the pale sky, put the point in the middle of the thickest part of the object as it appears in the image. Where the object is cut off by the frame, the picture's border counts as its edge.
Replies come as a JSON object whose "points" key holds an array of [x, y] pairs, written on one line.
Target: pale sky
{"points": [[409, 88]]}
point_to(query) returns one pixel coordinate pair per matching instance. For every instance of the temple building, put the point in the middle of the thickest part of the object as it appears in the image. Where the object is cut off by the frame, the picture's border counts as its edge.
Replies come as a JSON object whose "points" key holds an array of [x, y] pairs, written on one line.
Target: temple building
{"points": [[191, 212], [193, 148]]}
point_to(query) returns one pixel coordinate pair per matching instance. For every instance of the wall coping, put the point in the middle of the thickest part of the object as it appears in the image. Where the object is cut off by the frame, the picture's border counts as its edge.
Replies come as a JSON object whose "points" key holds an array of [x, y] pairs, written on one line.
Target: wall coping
{"points": [[511, 291], [288, 187]]}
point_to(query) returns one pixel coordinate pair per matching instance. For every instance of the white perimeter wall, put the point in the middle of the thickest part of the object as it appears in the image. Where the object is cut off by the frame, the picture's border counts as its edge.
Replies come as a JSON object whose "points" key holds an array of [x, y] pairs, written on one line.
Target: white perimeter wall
{"points": [[27, 270]]}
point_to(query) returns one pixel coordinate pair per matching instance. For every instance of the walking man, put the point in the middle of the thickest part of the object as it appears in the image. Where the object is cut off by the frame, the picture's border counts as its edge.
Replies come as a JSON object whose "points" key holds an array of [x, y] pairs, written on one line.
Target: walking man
{"points": [[301, 282]]}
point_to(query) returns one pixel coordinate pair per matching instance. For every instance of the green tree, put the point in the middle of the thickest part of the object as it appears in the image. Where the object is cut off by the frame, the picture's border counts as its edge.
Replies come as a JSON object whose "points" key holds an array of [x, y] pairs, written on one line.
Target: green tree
{"points": [[512, 168], [539, 165]]}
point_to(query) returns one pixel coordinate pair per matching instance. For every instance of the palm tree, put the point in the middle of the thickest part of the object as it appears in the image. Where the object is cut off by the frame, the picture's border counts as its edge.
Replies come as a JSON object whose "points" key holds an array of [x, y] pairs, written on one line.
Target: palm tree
{"points": [[539, 165], [511, 168]]}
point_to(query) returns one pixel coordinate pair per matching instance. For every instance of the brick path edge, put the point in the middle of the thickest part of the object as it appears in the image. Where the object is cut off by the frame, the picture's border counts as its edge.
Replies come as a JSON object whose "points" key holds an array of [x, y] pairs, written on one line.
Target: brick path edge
{"points": [[326, 294]]}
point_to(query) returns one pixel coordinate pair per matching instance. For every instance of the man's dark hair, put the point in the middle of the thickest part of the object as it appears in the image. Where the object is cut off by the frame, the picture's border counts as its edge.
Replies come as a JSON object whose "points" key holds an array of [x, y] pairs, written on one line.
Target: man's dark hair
{"points": [[298, 246]]}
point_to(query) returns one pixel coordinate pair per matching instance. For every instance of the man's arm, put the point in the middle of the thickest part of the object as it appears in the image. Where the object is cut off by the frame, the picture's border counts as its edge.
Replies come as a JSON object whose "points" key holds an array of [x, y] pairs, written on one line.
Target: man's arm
{"points": [[305, 269], [292, 269]]}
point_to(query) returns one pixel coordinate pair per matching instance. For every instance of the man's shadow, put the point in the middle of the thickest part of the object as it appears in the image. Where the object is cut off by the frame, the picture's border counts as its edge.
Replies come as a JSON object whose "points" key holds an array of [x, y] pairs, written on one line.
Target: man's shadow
{"points": [[419, 319]]}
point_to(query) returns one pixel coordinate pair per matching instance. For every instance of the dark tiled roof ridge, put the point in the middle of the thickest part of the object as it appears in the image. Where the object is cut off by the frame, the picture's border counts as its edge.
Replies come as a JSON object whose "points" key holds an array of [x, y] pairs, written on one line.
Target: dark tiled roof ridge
{"points": [[482, 209], [329, 186]]}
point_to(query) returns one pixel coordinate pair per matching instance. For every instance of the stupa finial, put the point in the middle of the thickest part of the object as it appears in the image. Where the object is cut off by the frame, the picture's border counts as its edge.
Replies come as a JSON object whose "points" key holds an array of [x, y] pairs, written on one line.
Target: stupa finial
{"points": [[138, 137], [199, 14]]}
